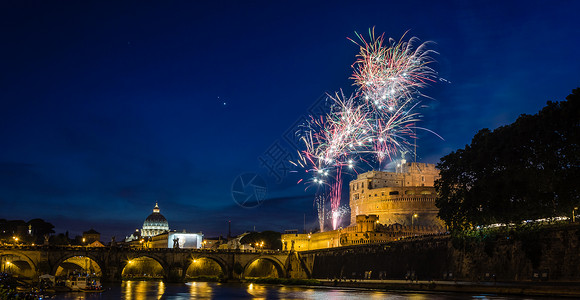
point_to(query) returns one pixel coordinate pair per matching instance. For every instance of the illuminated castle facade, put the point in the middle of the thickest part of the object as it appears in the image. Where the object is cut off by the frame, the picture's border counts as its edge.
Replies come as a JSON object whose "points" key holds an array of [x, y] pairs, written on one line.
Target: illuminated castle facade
{"points": [[385, 206], [405, 197]]}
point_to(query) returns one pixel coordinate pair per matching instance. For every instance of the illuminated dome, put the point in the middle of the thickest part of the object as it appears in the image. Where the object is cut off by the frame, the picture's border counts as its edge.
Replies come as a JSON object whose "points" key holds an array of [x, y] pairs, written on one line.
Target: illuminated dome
{"points": [[155, 224]]}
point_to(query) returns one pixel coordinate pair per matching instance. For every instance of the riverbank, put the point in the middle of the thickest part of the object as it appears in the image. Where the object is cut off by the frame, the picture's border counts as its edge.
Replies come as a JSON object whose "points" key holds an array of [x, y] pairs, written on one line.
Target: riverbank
{"points": [[558, 289], [284, 281]]}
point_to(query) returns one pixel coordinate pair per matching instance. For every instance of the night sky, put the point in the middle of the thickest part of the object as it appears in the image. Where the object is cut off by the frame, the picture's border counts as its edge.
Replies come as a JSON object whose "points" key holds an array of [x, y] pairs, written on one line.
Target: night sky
{"points": [[108, 107]]}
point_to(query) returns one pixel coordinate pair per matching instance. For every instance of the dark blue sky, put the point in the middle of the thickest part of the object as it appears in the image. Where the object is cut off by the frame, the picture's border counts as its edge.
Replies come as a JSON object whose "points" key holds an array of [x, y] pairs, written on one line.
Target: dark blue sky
{"points": [[107, 107]]}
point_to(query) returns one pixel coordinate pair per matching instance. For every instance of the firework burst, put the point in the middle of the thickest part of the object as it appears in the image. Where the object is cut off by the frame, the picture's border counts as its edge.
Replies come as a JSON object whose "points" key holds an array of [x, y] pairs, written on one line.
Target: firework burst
{"points": [[378, 120], [389, 75]]}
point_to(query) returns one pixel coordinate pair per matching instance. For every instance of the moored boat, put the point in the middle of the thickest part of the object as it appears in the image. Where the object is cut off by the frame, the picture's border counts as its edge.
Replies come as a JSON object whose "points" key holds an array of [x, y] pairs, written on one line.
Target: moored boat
{"points": [[84, 284]]}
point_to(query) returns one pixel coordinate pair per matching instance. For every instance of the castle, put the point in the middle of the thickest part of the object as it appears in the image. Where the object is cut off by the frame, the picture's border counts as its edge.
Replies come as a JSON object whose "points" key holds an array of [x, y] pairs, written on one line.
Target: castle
{"points": [[385, 206]]}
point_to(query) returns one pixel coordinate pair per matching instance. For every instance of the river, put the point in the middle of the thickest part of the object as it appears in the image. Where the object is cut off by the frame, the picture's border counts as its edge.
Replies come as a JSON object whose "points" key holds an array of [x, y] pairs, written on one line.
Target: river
{"points": [[145, 290]]}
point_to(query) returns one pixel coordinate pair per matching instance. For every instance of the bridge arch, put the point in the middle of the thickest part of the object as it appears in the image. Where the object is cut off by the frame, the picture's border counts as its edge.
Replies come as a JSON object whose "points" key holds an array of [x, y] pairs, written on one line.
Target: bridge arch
{"points": [[278, 265], [72, 259], [24, 265], [155, 265], [193, 259]]}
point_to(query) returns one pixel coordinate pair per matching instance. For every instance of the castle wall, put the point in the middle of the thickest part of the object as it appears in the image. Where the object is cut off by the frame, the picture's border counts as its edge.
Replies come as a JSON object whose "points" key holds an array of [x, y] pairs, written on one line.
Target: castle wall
{"points": [[548, 253], [367, 230], [304, 241]]}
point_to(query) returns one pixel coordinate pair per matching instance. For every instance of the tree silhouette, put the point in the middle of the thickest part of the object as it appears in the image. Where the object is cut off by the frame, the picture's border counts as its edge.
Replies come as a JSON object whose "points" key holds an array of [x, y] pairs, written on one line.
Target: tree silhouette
{"points": [[522, 171]]}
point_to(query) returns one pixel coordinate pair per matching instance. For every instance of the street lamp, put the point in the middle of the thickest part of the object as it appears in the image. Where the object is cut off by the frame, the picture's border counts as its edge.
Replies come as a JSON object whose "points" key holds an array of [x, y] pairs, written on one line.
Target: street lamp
{"points": [[413, 224], [574, 214]]}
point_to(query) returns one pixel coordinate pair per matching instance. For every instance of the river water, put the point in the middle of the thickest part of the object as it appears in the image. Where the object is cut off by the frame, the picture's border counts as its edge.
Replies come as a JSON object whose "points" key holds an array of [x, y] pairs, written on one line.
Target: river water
{"points": [[145, 290]]}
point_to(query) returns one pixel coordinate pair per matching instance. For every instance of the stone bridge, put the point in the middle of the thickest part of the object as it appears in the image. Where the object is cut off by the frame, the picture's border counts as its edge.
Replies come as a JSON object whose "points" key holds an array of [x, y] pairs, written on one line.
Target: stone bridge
{"points": [[32, 261], [553, 251]]}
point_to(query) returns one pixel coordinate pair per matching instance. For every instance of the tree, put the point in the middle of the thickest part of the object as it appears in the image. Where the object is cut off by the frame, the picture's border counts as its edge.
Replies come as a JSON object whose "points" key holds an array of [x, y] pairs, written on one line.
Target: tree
{"points": [[40, 228], [271, 239], [60, 240], [525, 170]]}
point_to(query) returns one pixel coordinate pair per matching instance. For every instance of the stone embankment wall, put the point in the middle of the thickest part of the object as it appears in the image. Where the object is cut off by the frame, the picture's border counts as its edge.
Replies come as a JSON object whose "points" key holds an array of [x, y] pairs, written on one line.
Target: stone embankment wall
{"points": [[551, 253]]}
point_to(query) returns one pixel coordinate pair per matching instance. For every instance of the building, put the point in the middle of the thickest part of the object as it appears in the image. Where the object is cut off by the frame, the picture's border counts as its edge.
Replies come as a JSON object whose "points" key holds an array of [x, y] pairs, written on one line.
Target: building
{"points": [[235, 243], [155, 224], [385, 206], [135, 236], [213, 243], [173, 239], [156, 234], [91, 236], [405, 197]]}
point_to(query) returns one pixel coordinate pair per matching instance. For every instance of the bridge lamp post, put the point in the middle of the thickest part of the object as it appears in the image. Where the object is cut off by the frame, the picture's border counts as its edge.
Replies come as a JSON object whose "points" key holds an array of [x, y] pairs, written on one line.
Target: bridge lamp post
{"points": [[7, 267], [574, 214]]}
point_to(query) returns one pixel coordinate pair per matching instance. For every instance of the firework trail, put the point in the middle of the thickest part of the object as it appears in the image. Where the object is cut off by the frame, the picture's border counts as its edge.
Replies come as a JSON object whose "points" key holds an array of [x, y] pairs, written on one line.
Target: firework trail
{"points": [[342, 210], [335, 196], [378, 120], [334, 141], [320, 201]]}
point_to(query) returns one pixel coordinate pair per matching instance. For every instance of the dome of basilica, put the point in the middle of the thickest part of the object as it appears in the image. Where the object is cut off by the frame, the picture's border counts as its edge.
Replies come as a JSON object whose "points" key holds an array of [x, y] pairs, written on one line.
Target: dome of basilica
{"points": [[155, 224]]}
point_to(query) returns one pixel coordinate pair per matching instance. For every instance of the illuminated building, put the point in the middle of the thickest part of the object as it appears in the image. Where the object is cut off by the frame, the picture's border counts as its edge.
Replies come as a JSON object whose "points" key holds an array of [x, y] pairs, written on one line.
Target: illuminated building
{"points": [[155, 224], [91, 236], [172, 239], [156, 234], [385, 206], [405, 197]]}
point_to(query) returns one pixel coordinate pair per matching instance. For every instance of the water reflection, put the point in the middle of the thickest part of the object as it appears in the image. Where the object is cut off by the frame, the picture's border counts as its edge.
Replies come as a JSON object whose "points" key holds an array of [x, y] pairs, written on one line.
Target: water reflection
{"points": [[142, 290], [200, 290], [257, 291]]}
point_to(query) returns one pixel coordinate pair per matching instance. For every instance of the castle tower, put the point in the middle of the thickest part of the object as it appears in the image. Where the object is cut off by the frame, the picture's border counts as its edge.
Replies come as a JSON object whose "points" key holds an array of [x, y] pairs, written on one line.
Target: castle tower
{"points": [[405, 197]]}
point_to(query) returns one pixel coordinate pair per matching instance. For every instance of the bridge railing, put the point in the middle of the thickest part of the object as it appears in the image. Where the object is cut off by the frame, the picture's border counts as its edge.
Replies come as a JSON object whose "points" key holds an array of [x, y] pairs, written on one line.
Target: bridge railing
{"points": [[132, 249]]}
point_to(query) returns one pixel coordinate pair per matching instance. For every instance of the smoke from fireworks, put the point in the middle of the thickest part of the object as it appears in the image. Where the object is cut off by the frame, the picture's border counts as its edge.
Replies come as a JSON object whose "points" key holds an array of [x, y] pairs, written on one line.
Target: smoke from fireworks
{"points": [[379, 120]]}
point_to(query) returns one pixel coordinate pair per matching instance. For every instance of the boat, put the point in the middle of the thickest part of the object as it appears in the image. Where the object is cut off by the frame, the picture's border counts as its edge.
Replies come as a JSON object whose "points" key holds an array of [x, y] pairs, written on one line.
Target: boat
{"points": [[81, 283]]}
